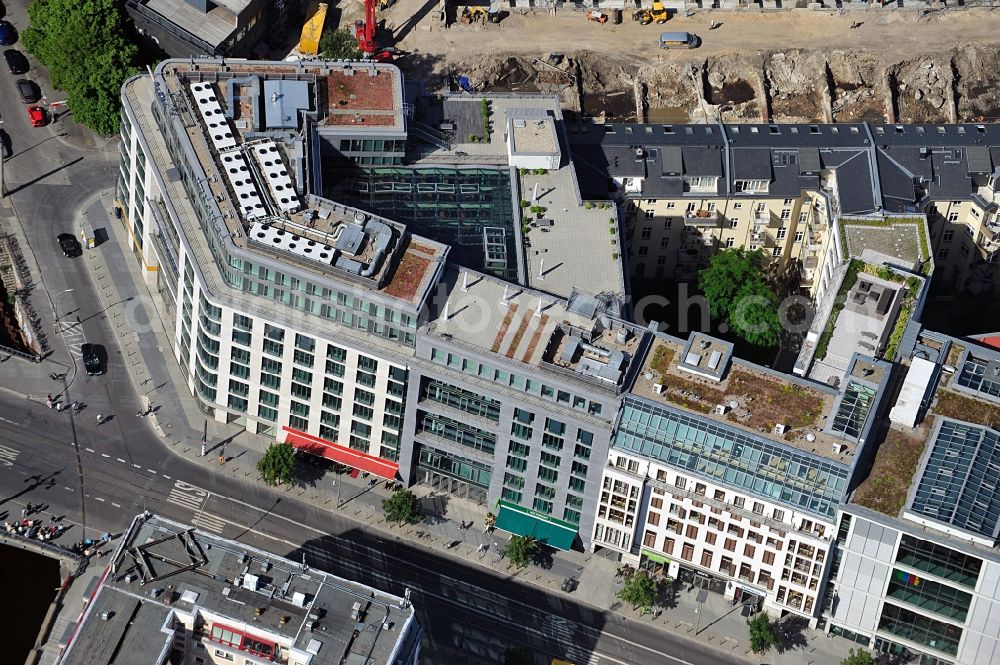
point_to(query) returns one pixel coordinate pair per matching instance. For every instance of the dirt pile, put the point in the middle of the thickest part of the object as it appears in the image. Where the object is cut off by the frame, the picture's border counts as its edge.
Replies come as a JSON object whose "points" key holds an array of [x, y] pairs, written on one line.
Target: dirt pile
{"points": [[671, 92], [796, 81], [922, 90], [856, 83], [733, 84], [978, 94]]}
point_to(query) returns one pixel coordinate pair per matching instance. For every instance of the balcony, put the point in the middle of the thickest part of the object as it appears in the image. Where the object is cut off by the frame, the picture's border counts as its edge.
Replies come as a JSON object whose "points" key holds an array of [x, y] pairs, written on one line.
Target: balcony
{"points": [[765, 218], [703, 219]]}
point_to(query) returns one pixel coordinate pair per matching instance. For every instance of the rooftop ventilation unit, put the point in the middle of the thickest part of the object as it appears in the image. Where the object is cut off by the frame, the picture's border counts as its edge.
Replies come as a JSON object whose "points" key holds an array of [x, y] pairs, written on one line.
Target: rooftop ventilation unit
{"points": [[275, 174], [211, 113]]}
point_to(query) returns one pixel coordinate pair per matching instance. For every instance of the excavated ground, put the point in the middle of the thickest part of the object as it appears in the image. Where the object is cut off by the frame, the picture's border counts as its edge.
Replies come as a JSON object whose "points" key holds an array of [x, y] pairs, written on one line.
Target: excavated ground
{"points": [[944, 70]]}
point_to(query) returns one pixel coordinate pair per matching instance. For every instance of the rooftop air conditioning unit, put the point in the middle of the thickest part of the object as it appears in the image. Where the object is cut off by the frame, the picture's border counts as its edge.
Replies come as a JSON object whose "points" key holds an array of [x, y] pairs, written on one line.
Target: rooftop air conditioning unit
{"points": [[838, 448], [659, 388], [721, 409], [780, 429]]}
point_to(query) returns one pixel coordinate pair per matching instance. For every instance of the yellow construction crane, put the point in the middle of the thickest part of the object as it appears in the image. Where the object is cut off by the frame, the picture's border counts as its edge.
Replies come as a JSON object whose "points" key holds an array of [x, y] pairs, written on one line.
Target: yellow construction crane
{"points": [[312, 29]]}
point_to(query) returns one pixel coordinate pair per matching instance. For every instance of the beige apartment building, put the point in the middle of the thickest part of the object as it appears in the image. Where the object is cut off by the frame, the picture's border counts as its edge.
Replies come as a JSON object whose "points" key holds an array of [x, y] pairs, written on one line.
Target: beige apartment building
{"points": [[692, 190]]}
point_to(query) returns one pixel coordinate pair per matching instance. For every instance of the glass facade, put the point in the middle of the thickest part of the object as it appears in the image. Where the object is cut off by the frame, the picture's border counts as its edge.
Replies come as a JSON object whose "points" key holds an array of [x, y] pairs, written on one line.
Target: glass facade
{"points": [[959, 482], [470, 209], [463, 400], [921, 629], [939, 561], [721, 454], [460, 433], [941, 599], [470, 471]]}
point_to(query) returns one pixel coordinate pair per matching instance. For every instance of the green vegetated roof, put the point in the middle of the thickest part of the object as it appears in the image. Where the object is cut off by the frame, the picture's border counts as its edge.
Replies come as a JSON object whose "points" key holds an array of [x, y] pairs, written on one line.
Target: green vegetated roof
{"points": [[904, 238], [888, 483]]}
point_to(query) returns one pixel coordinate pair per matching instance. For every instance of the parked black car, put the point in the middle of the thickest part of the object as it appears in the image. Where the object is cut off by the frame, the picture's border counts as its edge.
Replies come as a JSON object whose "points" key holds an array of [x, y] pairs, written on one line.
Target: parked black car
{"points": [[8, 34], [29, 91], [93, 358], [16, 62]]}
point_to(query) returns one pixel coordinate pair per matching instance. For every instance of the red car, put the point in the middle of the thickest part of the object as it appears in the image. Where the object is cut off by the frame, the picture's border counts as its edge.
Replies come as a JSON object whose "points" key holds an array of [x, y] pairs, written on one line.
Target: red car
{"points": [[38, 116]]}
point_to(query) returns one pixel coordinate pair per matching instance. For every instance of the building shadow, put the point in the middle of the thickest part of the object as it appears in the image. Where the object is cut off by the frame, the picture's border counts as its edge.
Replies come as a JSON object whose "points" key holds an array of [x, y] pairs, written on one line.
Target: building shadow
{"points": [[462, 608]]}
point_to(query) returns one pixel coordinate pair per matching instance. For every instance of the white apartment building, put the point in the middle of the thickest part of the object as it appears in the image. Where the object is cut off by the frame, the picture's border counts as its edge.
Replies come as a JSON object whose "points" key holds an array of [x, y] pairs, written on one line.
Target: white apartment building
{"points": [[728, 476]]}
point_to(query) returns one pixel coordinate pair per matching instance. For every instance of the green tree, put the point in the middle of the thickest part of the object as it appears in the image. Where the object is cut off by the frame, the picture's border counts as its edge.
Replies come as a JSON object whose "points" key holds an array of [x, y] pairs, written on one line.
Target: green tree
{"points": [[737, 290], [339, 44], [640, 591], [858, 657], [519, 550], [83, 43], [762, 635], [755, 315], [276, 466], [403, 507]]}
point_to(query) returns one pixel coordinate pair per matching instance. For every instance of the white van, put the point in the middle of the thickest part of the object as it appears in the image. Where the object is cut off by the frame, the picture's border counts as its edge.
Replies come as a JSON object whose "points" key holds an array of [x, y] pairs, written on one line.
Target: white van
{"points": [[679, 40]]}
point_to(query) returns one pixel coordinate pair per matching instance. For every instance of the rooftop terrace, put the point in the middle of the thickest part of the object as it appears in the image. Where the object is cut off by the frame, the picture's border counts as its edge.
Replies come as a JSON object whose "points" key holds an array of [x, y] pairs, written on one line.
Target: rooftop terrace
{"points": [[218, 116], [167, 576], [747, 398], [364, 95], [560, 335]]}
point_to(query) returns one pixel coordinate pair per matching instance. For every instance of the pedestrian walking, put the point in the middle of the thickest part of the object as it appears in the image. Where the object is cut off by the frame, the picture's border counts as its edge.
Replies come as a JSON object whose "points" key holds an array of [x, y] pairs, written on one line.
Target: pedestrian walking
{"points": [[59, 406], [48, 401], [100, 418], [24, 513]]}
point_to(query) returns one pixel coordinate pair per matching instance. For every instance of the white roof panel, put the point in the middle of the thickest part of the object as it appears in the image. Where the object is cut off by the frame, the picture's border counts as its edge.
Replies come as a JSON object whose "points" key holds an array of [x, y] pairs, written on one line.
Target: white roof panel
{"points": [[906, 410], [211, 113]]}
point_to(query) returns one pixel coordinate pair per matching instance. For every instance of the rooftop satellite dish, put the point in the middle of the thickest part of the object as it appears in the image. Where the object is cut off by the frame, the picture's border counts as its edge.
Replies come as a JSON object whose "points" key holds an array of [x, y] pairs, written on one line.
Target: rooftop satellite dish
{"points": [[810, 437]]}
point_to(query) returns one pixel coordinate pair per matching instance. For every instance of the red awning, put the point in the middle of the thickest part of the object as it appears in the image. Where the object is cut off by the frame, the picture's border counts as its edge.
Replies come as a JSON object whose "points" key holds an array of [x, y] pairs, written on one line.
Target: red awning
{"points": [[347, 456]]}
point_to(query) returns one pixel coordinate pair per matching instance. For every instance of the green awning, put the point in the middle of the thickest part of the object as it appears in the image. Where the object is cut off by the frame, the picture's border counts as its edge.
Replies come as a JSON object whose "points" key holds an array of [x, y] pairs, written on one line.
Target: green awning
{"points": [[653, 556], [522, 521]]}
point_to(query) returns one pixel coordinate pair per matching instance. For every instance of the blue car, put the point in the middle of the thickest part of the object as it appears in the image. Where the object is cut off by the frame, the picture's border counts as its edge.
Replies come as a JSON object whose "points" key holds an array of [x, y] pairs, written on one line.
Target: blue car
{"points": [[8, 35]]}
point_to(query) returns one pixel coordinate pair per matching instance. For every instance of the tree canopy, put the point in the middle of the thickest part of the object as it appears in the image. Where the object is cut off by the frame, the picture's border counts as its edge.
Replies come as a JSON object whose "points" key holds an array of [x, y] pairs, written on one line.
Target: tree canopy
{"points": [[276, 466], [639, 590], [84, 45], [762, 635], [858, 657], [519, 550], [338, 44], [403, 507], [738, 293]]}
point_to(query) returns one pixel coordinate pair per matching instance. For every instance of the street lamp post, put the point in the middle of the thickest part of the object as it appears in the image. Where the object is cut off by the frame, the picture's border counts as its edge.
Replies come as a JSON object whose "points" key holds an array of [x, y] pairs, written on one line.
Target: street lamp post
{"points": [[55, 305]]}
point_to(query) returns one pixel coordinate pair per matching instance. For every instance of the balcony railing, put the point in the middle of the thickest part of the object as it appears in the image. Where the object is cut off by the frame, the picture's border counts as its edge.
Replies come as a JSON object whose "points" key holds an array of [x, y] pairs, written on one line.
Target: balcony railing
{"points": [[703, 219]]}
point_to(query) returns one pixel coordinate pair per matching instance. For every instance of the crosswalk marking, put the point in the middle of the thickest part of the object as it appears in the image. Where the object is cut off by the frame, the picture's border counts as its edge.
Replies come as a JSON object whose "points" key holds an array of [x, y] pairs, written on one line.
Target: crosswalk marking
{"points": [[8, 456], [563, 633], [187, 496], [73, 336], [209, 522]]}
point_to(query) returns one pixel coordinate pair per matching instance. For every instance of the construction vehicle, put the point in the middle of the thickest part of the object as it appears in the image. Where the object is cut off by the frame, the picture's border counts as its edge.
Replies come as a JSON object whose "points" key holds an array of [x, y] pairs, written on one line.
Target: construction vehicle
{"points": [[597, 17], [312, 29], [646, 16], [473, 14], [659, 12], [365, 32]]}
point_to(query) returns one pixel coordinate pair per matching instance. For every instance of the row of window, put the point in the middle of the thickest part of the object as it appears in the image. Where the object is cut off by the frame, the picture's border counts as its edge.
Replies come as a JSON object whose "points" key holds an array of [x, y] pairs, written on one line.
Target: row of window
{"points": [[506, 378]]}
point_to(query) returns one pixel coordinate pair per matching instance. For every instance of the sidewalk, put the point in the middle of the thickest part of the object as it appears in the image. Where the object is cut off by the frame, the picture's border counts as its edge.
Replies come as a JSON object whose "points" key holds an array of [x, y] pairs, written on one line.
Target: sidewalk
{"points": [[157, 378]]}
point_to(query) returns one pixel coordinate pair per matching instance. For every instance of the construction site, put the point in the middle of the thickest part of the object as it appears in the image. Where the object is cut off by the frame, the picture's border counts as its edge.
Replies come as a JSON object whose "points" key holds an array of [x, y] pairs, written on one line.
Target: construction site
{"points": [[882, 65]]}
